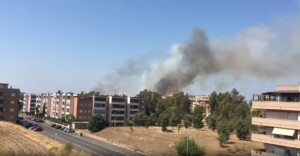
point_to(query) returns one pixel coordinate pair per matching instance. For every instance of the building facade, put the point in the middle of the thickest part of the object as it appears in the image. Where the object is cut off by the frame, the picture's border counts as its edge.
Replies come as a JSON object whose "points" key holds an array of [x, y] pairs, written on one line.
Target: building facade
{"points": [[9, 99], [115, 109], [281, 121], [30, 101], [201, 100]]}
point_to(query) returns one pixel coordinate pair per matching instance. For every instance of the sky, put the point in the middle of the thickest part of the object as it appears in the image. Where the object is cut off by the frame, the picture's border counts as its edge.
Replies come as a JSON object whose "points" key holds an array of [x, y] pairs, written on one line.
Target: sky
{"points": [[47, 46]]}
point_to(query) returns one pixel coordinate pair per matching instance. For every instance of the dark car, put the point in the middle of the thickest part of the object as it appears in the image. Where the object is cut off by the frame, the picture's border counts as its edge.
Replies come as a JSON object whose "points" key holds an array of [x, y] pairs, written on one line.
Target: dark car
{"points": [[53, 125], [58, 126], [29, 125]]}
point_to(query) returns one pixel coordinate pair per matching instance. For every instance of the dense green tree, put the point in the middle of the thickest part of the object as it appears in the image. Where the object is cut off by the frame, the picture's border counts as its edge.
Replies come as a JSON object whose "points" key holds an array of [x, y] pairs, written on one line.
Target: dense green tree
{"points": [[242, 128], [198, 116], [213, 101], [139, 119], [151, 99], [187, 120], [97, 123], [188, 147], [223, 131], [211, 121], [170, 117]]}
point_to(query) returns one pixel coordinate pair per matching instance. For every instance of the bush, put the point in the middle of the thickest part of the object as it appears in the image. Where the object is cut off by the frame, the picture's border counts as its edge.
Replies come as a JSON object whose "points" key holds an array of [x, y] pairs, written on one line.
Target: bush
{"points": [[97, 123], [242, 128], [188, 147], [68, 149]]}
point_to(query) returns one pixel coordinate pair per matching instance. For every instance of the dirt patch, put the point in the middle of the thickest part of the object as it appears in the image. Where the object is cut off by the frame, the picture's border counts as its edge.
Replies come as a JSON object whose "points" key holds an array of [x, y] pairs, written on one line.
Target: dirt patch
{"points": [[155, 142]]}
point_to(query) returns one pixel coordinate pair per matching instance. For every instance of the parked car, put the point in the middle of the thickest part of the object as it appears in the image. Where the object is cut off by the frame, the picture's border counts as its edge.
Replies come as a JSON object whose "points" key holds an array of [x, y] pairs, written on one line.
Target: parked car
{"points": [[69, 130], [32, 127], [28, 125], [37, 129], [64, 128], [53, 125], [58, 126]]}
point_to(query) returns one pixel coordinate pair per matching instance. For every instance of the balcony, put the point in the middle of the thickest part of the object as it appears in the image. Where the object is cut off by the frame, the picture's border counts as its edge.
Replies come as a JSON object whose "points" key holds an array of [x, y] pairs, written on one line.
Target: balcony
{"points": [[269, 139], [261, 153], [289, 124], [276, 105]]}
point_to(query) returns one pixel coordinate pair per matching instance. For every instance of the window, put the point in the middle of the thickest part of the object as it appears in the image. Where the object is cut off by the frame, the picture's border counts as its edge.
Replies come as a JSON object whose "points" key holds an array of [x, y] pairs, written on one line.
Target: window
{"points": [[117, 112], [12, 102], [13, 94], [118, 100], [80, 111], [99, 105], [117, 118], [89, 111], [133, 112], [118, 106], [134, 106], [99, 111], [1, 101], [68, 109], [12, 110]]}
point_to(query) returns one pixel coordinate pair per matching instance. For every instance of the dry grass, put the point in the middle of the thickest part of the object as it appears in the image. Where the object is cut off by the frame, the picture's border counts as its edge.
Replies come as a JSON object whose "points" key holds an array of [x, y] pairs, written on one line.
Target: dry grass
{"points": [[155, 142], [19, 141]]}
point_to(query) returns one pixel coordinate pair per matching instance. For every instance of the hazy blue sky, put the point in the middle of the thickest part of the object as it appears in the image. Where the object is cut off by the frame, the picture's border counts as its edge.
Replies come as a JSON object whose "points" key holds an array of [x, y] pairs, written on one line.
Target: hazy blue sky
{"points": [[71, 45]]}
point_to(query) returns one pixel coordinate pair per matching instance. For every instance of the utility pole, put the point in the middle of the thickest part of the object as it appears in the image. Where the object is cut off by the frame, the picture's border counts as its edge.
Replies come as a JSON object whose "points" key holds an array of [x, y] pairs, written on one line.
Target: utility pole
{"points": [[187, 146]]}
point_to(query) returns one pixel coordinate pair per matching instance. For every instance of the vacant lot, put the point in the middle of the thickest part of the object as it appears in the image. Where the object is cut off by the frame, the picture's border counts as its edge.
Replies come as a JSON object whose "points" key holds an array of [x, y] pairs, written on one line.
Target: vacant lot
{"points": [[18, 141], [154, 142]]}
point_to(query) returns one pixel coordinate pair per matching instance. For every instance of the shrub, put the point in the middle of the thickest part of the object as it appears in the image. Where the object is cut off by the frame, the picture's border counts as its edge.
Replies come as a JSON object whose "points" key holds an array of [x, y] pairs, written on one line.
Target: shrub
{"points": [[68, 149], [188, 147], [97, 123]]}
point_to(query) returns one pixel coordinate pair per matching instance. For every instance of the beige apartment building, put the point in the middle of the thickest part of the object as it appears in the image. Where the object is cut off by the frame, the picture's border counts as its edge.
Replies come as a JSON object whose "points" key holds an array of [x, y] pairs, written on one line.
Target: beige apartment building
{"points": [[281, 121], [115, 109], [201, 100], [9, 98]]}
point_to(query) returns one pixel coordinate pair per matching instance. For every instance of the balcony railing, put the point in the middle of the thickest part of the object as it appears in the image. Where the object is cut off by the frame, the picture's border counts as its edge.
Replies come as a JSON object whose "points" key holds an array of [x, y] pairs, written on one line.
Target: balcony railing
{"points": [[261, 153], [276, 105], [289, 124], [269, 139]]}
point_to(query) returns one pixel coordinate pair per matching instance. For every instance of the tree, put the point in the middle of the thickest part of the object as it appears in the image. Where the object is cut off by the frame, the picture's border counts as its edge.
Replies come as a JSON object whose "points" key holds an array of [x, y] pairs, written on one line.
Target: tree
{"points": [[151, 99], [170, 117], [188, 147], [139, 119], [97, 123], [69, 119], [163, 121], [242, 128], [187, 120], [198, 116], [223, 132], [213, 101], [211, 122]]}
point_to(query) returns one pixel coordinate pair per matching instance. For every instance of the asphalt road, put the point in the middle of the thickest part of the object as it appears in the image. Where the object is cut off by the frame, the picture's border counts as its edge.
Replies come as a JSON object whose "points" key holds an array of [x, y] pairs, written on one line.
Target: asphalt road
{"points": [[84, 143]]}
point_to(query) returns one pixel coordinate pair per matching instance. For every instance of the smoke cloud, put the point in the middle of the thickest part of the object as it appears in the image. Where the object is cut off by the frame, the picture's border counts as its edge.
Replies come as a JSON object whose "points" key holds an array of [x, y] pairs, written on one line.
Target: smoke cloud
{"points": [[262, 52]]}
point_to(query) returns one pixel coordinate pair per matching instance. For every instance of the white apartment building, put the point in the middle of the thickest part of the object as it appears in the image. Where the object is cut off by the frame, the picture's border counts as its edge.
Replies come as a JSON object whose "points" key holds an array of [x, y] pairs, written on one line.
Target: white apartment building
{"points": [[29, 102]]}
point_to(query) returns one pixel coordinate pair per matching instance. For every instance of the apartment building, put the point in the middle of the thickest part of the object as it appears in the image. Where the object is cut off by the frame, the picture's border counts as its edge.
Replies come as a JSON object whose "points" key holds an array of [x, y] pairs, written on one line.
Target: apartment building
{"points": [[115, 109], [83, 107], [100, 104], [281, 122], [30, 101], [200, 100], [9, 98]]}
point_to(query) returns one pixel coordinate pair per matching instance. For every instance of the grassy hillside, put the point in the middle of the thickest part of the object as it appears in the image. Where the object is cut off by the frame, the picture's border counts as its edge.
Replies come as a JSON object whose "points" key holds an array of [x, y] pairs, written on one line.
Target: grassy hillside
{"points": [[19, 141]]}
